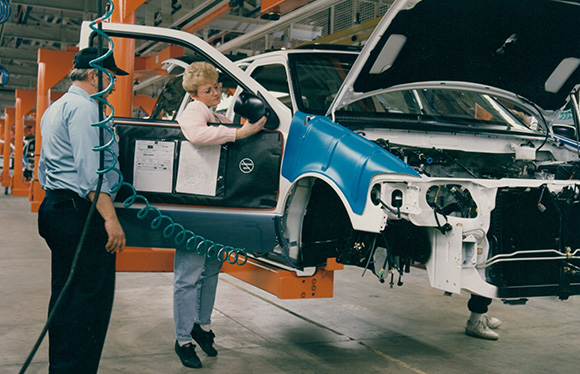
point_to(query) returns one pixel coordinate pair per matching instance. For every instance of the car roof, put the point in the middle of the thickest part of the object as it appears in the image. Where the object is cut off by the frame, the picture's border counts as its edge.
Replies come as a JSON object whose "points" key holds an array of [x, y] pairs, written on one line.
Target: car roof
{"points": [[304, 49]]}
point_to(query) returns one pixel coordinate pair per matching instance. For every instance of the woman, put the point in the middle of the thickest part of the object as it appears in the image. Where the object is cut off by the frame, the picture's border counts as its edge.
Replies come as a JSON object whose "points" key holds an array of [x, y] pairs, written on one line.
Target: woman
{"points": [[196, 276]]}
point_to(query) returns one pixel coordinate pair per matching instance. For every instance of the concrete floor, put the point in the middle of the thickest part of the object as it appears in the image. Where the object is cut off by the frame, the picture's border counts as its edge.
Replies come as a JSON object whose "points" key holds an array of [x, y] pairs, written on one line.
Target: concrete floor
{"points": [[366, 328]]}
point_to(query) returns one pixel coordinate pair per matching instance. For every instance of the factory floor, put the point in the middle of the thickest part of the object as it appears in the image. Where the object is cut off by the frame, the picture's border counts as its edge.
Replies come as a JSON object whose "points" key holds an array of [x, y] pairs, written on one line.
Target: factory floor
{"points": [[366, 327]]}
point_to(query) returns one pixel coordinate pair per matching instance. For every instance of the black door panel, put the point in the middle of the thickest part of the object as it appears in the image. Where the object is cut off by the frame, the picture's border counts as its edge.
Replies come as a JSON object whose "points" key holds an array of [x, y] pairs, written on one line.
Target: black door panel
{"points": [[248, 172]]}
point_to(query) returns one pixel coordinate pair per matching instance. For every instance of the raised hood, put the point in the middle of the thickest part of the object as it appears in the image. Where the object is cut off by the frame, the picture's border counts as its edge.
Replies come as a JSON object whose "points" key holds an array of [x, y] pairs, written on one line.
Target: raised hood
{"points": [[527, 47]]}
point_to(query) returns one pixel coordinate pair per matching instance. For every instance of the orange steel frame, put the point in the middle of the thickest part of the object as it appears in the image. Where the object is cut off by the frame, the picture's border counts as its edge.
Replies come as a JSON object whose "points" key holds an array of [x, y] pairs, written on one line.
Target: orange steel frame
{"points": [[144, 102], [8, 139], [2, 135], [215, 14], [25, 103], [8, 135], [136, 258], [284, 284], [281, 6], [53, 66]]}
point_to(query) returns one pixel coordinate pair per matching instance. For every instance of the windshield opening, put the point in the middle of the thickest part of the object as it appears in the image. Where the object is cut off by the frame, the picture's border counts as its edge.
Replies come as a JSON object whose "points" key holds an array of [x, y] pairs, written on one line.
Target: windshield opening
{"points": [[452, 106], [317, 78]]}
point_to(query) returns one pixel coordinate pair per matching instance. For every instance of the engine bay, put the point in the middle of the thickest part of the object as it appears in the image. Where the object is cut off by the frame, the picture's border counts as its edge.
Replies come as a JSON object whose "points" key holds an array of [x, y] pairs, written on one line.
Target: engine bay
{"points": [[444, 163]]}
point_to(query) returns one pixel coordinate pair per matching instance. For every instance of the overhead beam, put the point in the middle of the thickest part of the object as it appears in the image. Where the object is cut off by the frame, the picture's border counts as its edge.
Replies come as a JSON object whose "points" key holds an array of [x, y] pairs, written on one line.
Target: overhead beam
{"points": [[190, 14], [20, 82], [69, 34], [7, 103], [18, 54], [7, 96], [352, 35], [246, 25], [185, 18], [78, 6], [284, 21], [208, 18], [238, 23], [19, 71]]}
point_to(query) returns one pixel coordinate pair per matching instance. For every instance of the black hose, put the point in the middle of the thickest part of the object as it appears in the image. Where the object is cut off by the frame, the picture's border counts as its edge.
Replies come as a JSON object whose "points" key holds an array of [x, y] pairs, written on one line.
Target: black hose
{"points": [[69, 279], [85, 227]]}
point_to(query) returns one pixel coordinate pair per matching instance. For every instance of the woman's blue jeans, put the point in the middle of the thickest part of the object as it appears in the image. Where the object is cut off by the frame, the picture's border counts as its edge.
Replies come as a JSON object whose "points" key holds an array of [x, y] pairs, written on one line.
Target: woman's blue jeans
{"points": [[194, 291]]}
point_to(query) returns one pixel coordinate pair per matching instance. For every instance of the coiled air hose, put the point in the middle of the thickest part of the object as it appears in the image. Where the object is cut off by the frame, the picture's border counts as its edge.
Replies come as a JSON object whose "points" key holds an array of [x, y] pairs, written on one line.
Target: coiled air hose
{"points": [[195, 242], [4, 76], [5, 11]]}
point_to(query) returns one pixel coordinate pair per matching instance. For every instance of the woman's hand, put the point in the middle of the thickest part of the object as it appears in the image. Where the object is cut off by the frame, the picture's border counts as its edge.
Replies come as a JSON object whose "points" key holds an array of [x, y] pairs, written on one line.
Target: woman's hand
{"points": [[249, 129]]}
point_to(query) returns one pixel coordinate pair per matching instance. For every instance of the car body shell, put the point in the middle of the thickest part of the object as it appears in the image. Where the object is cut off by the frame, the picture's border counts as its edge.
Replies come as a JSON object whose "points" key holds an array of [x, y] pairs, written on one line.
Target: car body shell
{"points": [[331, 189]]}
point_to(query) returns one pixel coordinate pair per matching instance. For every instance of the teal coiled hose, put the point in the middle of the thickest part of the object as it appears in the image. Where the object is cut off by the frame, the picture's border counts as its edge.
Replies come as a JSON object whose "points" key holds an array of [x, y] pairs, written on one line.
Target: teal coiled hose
{"points": [[195, 242], [5, 11], [179, 233]]}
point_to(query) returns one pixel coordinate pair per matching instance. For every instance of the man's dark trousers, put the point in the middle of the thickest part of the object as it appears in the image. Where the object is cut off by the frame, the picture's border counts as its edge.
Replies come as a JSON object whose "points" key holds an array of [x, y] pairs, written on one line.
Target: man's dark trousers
{"points": [[78, 330]]}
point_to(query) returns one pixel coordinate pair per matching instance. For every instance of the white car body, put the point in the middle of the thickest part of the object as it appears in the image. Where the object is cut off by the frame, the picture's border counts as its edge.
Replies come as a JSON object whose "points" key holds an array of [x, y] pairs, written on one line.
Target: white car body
{"points": [[340, 194]]}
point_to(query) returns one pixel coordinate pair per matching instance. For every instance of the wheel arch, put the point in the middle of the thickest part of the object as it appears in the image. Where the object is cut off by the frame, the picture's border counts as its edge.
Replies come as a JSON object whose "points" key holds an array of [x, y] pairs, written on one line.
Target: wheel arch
{"points": [[317, 220]]}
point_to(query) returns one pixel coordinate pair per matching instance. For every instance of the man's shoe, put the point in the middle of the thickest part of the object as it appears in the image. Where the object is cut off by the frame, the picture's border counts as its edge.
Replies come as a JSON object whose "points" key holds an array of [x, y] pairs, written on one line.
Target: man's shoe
{"points": [[491, 322], [204, 339], [480, 330], [187, 355]]}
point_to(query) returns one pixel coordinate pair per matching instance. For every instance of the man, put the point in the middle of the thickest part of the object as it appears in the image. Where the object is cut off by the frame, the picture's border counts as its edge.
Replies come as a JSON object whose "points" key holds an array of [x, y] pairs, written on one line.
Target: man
{"points": [[67, 171], [479, 324]]}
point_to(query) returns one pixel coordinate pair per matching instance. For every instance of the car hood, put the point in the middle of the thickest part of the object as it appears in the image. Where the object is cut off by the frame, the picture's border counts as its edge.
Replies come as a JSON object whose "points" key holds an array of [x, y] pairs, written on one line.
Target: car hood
{"points": [[529, 48]]}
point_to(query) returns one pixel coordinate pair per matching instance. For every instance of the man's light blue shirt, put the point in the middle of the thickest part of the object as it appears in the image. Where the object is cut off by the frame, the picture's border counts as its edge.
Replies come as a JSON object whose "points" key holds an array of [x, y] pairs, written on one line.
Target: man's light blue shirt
{"points": [[67, 159]]}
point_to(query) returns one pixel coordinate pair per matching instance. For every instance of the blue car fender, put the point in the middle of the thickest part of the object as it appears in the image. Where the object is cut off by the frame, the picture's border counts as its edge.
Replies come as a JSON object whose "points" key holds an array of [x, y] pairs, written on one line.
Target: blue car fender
{"points": [[317, 145]]}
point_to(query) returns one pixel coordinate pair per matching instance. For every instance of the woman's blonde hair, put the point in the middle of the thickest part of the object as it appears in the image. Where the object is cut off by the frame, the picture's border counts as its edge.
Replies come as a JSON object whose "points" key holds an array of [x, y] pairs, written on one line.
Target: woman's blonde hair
{"points": [[197, 74]]}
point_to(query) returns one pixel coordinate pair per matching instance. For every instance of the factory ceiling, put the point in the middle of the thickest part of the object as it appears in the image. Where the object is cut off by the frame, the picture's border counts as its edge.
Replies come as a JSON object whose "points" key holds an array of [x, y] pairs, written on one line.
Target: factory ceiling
{"points": [[257, 25]]}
